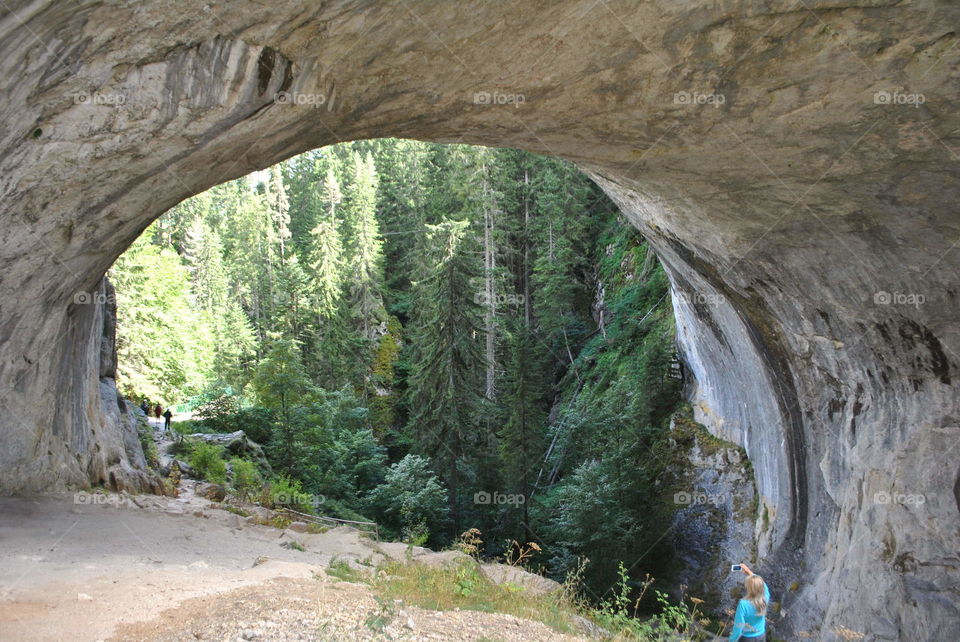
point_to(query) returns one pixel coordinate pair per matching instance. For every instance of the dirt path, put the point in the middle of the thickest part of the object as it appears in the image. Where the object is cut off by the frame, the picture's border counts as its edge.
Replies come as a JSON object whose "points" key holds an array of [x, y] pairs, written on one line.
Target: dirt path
{"points": [[312, 609], [79, 567]]}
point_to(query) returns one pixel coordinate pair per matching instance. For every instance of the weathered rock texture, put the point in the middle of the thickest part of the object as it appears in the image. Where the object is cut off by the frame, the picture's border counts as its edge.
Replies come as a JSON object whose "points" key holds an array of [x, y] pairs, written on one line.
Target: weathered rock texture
{"points": [[713, 489], [801, 217], [91, 437]]}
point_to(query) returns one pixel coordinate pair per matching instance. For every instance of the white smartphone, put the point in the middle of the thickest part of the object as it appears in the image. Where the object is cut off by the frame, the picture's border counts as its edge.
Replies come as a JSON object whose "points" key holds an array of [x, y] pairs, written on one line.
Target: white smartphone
{"points": [[736, 567]]}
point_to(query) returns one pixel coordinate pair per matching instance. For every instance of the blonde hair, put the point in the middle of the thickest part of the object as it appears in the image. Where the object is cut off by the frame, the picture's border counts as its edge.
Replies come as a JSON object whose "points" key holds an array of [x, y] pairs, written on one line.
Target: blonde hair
{"points": [[755, 594]]}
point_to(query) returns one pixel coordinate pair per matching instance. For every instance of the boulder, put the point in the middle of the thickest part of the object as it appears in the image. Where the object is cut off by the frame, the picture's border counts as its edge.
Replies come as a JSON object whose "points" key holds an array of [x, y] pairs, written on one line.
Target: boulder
{"points": [[213, 492], [299, 527], [237, 444]]}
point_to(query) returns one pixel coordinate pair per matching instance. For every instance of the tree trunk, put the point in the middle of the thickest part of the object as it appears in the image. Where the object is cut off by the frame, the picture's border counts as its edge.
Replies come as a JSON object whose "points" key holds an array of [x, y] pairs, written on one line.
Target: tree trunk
{"points": [[489, 266]]}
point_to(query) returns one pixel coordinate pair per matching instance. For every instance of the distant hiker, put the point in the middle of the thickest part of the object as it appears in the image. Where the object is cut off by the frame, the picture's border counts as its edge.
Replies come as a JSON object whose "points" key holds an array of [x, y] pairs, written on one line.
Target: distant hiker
{"points": [[145, 408], [167, 417], [750, 621], [158, 411]]}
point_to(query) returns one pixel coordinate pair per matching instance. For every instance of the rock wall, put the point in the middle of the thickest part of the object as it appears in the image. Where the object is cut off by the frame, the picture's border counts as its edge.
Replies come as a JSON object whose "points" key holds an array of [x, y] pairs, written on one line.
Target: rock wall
{"points": [[794, 164], [717, 515], [93, 438]]}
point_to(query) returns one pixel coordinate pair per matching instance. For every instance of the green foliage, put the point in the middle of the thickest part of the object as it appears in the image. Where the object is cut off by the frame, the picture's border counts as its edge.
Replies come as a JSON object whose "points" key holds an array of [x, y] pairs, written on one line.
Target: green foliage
{"points": [[216, 410], [342, 570], [164, 351], [462, 585], [207, 462], [288, 493], [484, 311], [410, 498], [245, 478], [294, 545], [444, 394], [281, 385]]}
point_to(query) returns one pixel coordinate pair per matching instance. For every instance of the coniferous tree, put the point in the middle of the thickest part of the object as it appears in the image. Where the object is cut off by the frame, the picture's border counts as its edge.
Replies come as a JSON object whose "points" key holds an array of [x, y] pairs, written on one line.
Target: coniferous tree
{"points": [[524, 401], [364, 246], [326, 251], [279, 204], [445, 393], [281, 384]]}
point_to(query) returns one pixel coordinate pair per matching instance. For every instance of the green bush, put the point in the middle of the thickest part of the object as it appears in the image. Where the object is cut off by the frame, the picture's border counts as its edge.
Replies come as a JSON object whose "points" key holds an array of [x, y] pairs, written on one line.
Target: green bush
{"points": [[207, 462], [412, 501], [288, 493], [224, 414], [246, 478], [214, 411], [187, 427]]}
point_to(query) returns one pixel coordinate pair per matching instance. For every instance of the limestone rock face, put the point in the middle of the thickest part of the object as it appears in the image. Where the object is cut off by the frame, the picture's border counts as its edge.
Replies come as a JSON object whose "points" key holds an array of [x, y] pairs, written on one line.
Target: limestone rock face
{"points": [[794, 164], [93, 438], [716, 518]]}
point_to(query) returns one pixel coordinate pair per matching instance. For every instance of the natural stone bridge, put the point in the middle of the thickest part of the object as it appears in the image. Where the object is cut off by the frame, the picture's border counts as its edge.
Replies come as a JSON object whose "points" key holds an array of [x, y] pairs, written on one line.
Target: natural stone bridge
{"points": [[794, 162]]}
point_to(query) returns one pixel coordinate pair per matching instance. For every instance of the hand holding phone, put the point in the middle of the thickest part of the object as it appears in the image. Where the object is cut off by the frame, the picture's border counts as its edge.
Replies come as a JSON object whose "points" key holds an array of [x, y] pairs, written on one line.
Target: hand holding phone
{"points": [[736, 567]]}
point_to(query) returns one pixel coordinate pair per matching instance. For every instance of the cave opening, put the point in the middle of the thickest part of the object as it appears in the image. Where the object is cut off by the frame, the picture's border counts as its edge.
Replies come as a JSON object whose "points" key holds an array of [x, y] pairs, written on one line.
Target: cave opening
{"points": [[306, 304], [794, 166]]}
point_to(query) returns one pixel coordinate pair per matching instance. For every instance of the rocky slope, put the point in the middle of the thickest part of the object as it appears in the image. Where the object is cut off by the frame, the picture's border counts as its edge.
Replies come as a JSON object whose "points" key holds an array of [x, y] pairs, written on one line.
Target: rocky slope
{"points": [[794, 164]]}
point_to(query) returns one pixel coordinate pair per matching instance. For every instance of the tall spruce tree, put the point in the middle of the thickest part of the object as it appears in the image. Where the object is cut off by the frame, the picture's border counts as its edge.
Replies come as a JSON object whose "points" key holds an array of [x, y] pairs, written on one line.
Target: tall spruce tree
{"points": [[326, 251], [445, 394], [364, 246]]}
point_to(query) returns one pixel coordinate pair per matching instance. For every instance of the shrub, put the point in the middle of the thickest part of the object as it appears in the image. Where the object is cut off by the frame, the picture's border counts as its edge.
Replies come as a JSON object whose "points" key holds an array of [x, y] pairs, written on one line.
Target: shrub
{"points": [[412, 501], [187, 427], [207, 461], [288, 493], [215, 411], [246, 478]]}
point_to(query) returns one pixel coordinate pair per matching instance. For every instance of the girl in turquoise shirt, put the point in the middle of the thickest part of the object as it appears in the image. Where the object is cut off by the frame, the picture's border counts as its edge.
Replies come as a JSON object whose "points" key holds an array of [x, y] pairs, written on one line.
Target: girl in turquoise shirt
{"points": [[750, 621]]}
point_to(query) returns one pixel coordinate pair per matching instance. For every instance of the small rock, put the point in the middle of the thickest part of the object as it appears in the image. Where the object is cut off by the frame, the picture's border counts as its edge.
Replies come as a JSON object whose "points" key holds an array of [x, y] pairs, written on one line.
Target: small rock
{"points": [[83, 597], [300, 527], [213, 492], [249, 634], [409, 623]]}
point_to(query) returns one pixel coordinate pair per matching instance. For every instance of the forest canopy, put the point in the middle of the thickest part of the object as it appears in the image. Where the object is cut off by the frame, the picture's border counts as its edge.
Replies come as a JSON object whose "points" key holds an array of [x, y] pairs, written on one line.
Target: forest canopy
{"points": [[435, 337]]}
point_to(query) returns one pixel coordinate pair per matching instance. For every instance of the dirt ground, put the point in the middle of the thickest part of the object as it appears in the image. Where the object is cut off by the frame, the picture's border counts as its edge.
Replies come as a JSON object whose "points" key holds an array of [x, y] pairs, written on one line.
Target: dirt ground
{"points": [[85, 567]]}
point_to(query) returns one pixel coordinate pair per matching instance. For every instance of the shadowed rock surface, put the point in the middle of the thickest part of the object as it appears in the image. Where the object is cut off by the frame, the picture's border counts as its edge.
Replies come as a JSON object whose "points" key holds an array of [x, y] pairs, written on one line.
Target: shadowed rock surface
{"points": [[794, 164]]}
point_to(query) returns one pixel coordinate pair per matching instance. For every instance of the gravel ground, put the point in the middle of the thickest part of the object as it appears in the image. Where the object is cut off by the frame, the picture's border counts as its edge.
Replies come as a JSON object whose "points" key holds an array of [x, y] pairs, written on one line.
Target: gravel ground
{"points": [[324, 609]]}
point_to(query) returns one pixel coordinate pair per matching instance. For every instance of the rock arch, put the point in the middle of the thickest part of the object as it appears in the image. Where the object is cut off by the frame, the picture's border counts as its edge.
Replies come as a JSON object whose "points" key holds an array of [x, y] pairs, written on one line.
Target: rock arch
{"points": [[794, 163]]}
